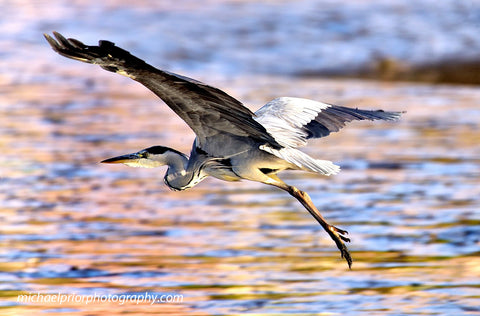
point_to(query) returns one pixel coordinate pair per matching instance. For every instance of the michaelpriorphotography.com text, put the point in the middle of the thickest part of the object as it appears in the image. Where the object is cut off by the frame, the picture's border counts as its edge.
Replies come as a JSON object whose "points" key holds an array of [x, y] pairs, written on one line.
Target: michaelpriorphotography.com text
{"points": [[96, 298]]}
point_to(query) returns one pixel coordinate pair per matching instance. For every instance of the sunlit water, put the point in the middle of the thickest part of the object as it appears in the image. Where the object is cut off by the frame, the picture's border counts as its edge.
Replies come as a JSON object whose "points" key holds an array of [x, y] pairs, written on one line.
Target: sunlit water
{"points": [[408, 194]]}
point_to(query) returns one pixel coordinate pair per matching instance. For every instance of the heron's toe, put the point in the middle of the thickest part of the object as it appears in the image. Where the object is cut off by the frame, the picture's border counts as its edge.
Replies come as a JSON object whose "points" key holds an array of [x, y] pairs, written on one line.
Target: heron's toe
{"points": [[340, 233]]}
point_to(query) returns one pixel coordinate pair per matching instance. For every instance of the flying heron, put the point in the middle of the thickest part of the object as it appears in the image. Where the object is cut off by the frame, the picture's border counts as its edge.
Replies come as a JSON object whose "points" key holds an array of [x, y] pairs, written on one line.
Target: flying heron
{"points": [[232, 143]]}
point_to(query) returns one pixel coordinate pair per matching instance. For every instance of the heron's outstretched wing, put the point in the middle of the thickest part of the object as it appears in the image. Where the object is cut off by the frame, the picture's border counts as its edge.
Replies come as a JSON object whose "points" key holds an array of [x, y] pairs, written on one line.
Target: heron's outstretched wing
{"points": [[292, 121], [207, 110]]}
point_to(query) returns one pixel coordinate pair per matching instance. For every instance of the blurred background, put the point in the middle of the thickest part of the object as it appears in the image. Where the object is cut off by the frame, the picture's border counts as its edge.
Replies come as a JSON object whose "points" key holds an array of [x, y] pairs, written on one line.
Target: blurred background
{"points": [[408, 192]]}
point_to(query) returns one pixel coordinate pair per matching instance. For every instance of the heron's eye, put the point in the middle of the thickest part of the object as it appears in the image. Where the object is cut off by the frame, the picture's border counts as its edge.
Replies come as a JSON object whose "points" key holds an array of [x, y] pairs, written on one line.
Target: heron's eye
{"points": [[143, 154]]}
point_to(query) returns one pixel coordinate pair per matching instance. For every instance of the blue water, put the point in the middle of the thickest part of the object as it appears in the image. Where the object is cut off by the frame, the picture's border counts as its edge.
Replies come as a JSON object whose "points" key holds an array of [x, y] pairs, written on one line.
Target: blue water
{"points": [[224, 37]]}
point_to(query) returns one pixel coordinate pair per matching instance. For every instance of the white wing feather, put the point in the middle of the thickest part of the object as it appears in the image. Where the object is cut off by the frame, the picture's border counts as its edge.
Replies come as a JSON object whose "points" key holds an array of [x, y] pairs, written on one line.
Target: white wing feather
{"points": [[284, 118]]}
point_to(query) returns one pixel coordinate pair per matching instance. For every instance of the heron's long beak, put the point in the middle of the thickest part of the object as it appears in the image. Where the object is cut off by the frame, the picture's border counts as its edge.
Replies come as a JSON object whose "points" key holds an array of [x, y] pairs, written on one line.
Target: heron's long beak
{"points": [[130, 158]]}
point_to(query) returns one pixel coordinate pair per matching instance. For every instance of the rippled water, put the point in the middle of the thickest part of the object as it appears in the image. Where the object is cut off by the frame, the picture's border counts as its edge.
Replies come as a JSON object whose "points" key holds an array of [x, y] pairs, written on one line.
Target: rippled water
{"points": [[408, 194]]}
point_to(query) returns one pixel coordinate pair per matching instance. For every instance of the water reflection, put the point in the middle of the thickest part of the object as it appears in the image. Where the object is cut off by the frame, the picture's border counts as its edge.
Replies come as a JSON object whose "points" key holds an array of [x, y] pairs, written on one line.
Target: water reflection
{"points": [[73, 225]]}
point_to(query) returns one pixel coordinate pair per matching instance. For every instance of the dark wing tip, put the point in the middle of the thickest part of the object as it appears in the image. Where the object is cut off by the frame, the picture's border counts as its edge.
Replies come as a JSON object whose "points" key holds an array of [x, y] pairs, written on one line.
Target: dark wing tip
{"points": [[53, 43], [63, 43], [333, 118], [106, 54], [349, 114], [387, 115], [70, 48]]}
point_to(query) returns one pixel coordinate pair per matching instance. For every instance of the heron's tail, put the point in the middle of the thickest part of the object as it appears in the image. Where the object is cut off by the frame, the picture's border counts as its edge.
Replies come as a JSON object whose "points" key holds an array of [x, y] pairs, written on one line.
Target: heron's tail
{"points": [[303, 161]]}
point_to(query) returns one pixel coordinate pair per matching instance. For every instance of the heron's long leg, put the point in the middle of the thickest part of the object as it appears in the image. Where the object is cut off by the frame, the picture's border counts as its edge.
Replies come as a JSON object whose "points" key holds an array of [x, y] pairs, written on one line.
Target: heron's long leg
{"points": [[335, 233]]}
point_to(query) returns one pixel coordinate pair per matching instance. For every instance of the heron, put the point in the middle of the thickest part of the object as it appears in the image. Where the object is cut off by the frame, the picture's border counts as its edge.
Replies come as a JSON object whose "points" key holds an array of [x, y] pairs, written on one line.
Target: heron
{"points": [[232, 143]]}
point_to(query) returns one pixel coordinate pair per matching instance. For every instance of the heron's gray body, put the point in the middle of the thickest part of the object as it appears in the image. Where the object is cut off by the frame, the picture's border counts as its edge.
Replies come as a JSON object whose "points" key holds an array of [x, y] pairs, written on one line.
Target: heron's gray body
{"points": [[232, 142], [244, 163]]}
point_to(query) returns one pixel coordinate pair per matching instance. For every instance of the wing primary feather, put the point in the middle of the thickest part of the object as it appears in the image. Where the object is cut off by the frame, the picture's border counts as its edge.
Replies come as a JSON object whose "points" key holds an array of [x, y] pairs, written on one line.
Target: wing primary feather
{"points": [[333, 118]]}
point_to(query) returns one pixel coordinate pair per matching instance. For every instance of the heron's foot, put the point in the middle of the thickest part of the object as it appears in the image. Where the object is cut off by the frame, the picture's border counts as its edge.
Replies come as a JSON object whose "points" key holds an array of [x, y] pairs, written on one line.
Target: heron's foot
{"points": [[338, 237], [340, 232]]}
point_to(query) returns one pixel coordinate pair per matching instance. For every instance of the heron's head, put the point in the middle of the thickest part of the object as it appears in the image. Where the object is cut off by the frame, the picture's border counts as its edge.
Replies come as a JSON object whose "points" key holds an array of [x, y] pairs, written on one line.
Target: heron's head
{"points": [[151, 157]]}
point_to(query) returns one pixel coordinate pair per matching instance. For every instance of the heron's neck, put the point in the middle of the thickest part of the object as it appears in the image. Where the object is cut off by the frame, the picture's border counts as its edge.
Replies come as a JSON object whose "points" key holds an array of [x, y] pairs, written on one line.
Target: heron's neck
{"points": [[178, 177], [176, 162]]}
